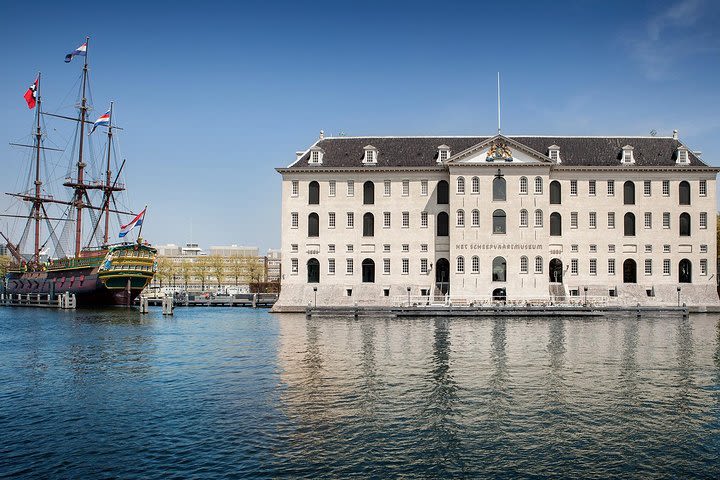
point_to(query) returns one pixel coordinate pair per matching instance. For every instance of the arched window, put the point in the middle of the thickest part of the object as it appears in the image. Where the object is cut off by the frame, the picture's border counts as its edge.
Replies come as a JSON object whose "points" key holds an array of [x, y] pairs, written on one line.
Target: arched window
{"points": [[443, 193], [685, 271], [313, 271], [538, 264], [314, 193], [538, 186], [368, 193], [629, 193], [499, 190], [499, 269], [555, 193], [313, 225], [499, 221], [368, 225], [538, 218], [460, 264], [629, 225], [461, 185], [475, 185], [442, 224], [461, 218], [523, 186], [684, 188], [475, 264], [523, 218], [476, 218], [684, 224], [523, 264], [555, 224], [368, 271]]}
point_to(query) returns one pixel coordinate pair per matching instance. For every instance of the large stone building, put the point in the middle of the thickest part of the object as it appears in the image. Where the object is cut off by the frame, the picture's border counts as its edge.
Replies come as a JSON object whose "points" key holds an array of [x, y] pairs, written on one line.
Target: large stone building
{"points": [[374, 220]]}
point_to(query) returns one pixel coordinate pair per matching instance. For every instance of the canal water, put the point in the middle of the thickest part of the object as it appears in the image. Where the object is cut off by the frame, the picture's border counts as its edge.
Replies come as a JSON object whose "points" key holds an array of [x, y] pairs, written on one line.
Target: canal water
{"points": [[228, 393]]}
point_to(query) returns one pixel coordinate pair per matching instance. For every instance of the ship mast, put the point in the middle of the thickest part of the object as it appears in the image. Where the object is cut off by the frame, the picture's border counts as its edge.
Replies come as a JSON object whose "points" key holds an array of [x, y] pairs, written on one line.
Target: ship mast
{"points": [[37, 202], [108, 174], [80, 190]]}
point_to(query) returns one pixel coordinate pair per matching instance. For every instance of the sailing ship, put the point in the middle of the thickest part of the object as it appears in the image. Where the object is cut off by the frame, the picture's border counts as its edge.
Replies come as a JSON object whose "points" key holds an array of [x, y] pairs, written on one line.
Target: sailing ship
{"points": [[97, 272]]}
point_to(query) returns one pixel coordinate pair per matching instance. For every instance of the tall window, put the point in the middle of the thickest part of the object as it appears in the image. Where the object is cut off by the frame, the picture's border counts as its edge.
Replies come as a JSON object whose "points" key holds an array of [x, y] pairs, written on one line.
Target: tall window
{"points": [[703, 220], [702, 188], [461, 218], [313, 271], [368, 193], [443, 193], [629, 225], [349, 266], [460, 264], [523, 264], [538, 265], [313, 225], [647, 188], [331, 266], [476, 264], [592, 187], [331, 220], [592, 220], [295, 188], [685, 224], [442, 224], [368, 271], [573, 219], [332, 187], [648, 219], [555, 193], [294, 220], [573, 187], [498, 221], [538, 186], [555, 224], [611, 187], [538, 218], [476, 218], [405, 219], [629, 193], [611, 219], [523, 185], [386, 219], [499, 190], [423, 219], [350, 188], [314, 193], [461, 186], [475, 185], [405, 188], [368, 225], [350, 220], [684, 188], [387, 185], [499, 269], [523, 218], [423, 187], [666, 188]]}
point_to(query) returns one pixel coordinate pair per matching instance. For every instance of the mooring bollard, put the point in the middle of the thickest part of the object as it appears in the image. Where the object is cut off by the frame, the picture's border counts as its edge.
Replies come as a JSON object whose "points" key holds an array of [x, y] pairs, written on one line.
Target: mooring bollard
{"points": [[167, 305], [143, 305], [254, 300]]}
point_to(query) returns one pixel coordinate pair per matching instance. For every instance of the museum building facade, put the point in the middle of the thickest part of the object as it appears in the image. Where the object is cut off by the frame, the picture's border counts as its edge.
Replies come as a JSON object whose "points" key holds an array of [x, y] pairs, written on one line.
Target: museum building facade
{"points": [[376, 220]]}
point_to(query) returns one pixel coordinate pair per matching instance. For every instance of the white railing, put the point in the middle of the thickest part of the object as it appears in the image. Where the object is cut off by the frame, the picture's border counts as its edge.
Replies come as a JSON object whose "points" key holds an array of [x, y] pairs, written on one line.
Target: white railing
{"points": [[489, 301]]}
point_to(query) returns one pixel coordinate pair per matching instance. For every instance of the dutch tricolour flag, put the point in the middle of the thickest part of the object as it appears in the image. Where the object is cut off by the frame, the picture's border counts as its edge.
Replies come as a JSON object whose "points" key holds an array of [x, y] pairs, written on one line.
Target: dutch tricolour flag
{"points": [[137, 221], [104, 120], [81, 50]]}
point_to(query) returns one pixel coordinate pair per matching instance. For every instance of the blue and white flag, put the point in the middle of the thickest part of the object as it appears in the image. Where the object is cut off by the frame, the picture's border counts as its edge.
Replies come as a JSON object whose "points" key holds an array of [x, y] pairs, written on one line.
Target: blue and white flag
{"points": [[104, 120], [81, 50]]}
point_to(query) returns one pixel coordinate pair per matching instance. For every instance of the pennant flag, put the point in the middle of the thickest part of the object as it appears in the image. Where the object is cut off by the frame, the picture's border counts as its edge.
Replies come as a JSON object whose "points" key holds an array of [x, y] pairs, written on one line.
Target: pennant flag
{"points": [[104, 120], [81, 50], [31, 94], [136, 222]]}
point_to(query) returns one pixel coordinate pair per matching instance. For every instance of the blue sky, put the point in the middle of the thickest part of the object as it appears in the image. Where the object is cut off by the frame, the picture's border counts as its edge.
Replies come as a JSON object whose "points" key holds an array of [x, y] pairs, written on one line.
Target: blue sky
{"points": [[214, 95]]}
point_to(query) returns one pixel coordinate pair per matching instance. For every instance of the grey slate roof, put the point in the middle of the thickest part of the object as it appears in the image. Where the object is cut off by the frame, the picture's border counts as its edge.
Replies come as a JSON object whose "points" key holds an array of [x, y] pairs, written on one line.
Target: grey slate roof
{"points": [[343, 152]]}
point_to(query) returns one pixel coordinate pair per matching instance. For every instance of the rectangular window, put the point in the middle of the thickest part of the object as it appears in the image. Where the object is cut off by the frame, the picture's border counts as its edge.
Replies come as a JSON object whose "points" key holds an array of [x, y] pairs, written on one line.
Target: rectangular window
{"points": [[405, 247], [423, 219], [331, 266], [611, 266], [405, 188], [648, 248], [666, 248], [406, 219], [593, 220], [593, 266], [424, 247], [574, 266], [573, 187], [523, 265], [666, 219], [350, 220], [648, 219], [648, 266], [350, 188], [386, 219], [331, 248], [294, 219], [405, 266], [294, 266], [703, 249], [386, 266], [611, 219], [592, 187], [349, 266], [386, 248], [294, 247], [388, 188], [331, 220], [573, 219], [295, 188], [593, 248], [703, 219], [611, 248], [647, 188], [666, 188], [423, 187], [331, 188], [666, 266], [703, 266], [538, 264], [703, 188], [611, 187], [349, 248], [574, 248], [423, 265]]}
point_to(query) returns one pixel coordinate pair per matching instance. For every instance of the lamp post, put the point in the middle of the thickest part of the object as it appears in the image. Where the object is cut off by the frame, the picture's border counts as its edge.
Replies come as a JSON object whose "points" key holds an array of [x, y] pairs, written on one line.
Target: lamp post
{"points": [[408, 290], [315, 292], [678, 290], [585, 289]]}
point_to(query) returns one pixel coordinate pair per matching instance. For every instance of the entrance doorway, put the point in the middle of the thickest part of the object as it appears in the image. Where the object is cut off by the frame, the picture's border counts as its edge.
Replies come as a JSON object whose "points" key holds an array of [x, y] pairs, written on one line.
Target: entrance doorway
{"points": [[629, 271], [499, 294], [442, 275], [556, 270], [685, 271]]}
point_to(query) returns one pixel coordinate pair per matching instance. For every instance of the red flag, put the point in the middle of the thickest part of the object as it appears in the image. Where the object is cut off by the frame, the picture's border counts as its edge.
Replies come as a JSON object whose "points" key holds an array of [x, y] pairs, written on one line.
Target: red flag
{"points": [[31, 94]]}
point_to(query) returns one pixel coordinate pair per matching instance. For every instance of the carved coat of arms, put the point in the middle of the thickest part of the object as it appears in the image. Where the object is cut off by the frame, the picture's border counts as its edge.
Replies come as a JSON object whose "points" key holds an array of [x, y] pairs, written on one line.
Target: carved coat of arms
{"points": [[499, 151]]}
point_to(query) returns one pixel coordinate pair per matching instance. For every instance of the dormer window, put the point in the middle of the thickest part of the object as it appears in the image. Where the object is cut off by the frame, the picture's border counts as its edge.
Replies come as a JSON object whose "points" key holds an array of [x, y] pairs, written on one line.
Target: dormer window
{"points": [[443, 153], [554, 153], [371, 154], [682, 156], [627, 154], [316, 156]]}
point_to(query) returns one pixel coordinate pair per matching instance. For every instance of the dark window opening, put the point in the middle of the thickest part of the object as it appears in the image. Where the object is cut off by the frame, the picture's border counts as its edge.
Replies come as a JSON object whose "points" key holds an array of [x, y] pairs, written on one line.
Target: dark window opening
{"points": [[443, 224], [313, 225], [443, 193], [314, 193], [313, 271], [368, 271], [629, 193], [555, 193], [629, 225], [368, 225], [368, 193], [555, 224]]}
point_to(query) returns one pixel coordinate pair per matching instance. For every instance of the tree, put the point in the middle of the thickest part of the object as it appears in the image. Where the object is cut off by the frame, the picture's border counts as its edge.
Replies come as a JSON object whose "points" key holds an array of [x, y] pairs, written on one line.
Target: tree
{"points": [[216, 265], [4, 264], [186, 272], [201, 270], [164, 268]]}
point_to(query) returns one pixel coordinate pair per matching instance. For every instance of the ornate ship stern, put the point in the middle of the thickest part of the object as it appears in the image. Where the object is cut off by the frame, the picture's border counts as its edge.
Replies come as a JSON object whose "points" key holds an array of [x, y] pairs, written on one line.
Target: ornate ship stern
{"points": [[126, 270]]}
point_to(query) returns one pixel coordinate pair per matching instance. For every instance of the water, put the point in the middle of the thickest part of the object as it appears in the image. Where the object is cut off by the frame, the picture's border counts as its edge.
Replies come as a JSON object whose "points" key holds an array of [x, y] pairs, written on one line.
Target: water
{"points": [[227, 393]]}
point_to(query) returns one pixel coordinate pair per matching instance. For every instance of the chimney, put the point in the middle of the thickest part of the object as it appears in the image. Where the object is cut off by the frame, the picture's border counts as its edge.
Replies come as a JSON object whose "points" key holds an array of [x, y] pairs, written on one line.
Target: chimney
{"points": [[675, 134], [322, 134], [298, 155]]}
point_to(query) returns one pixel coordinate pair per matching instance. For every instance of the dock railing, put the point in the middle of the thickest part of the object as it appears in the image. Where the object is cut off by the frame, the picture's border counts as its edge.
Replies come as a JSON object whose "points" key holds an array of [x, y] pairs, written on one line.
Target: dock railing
{"points": [[487, 301]]}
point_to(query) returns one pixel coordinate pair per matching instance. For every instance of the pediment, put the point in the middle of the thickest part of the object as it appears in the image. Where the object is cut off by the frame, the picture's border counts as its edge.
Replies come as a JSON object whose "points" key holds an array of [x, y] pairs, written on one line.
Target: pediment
{"points": [[499, 150]]}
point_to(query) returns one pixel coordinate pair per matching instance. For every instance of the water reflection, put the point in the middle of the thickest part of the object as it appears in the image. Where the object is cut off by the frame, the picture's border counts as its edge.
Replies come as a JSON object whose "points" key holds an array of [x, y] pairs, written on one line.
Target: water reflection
{"points": [[556, 351]]}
